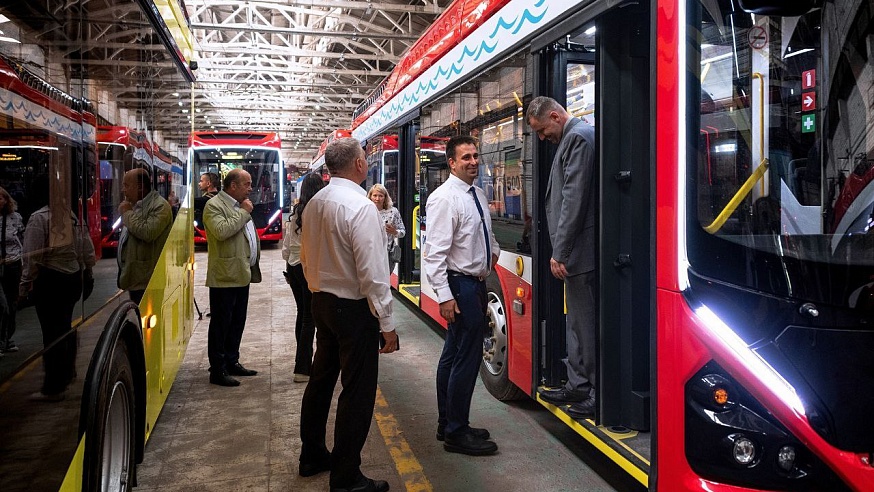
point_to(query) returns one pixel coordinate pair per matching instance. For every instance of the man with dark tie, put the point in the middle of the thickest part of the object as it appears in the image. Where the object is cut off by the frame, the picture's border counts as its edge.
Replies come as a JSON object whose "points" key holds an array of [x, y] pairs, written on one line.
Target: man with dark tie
{"points": [[459, 252]]}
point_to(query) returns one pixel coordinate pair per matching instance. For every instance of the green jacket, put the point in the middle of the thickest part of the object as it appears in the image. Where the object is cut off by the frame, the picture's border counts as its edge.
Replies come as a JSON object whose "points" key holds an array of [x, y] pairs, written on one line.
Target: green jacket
{"points": [[147, 229], [227, 246]]}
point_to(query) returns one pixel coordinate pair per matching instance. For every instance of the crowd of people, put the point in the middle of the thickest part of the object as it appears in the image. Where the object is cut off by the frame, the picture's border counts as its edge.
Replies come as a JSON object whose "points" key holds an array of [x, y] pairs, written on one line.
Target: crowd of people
{"points": [[341, 244]]}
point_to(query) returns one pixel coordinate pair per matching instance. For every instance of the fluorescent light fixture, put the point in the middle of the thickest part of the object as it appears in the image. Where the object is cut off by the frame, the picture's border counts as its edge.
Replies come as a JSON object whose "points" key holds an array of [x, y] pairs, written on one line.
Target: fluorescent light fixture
{"points": [[590, 31], [794, 53], [724, 148]]}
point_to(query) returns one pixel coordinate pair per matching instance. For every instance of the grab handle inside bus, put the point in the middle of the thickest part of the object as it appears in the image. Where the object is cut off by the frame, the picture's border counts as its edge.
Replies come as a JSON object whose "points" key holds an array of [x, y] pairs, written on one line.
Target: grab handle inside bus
{"points": [[745, 189]]}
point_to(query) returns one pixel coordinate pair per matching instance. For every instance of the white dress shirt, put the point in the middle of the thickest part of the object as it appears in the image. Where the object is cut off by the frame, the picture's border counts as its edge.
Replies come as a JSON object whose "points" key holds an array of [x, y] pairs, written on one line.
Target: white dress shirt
{"points": [[343, 248], [454, 236]]}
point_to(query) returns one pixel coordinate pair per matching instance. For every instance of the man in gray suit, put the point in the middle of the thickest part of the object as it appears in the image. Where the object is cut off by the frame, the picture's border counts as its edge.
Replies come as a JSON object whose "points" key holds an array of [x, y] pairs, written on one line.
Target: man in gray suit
{"points": [[570, 213]]}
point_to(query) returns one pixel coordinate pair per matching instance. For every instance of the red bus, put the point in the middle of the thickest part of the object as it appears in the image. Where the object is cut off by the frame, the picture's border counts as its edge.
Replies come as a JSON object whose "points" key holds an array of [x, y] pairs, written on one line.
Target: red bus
{"points": [[318, 163], [735, 262], [259, 153]]}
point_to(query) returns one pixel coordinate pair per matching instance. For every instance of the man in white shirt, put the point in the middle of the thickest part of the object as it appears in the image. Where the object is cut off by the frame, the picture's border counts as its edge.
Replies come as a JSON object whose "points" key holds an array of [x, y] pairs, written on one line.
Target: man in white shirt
{"points": [[343, 257], [459, 252]]}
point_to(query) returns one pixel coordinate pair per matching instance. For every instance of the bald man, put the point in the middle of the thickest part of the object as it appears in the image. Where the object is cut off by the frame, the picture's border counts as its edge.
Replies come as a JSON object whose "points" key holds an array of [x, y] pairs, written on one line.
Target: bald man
{"points": [[146, 217]]}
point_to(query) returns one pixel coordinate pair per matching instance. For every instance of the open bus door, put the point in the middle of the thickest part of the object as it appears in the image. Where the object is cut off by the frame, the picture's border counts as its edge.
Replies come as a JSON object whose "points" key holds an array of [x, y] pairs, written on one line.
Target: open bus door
{"points": [[606, 85]]}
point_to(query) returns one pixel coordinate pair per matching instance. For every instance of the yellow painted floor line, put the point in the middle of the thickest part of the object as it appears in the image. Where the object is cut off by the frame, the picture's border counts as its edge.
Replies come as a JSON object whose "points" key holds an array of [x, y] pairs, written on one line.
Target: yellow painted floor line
{"points": [[408, 467]]}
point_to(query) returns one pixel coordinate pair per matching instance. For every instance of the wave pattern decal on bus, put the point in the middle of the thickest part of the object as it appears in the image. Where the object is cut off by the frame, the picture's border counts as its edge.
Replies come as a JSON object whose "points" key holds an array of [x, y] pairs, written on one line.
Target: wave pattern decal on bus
{"points": [[18, 107], [495, 37]]}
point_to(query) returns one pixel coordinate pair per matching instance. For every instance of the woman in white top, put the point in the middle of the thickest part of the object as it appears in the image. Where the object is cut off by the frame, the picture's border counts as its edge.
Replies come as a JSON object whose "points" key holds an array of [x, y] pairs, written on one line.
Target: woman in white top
{"points": [[394, 225], [304, 327], [11, 238]]}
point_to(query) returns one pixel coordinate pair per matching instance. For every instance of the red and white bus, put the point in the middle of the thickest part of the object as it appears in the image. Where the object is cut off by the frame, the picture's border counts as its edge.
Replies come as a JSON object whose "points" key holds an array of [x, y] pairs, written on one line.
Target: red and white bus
{"points": [[259, 153], [735, 198], [318, 164]]}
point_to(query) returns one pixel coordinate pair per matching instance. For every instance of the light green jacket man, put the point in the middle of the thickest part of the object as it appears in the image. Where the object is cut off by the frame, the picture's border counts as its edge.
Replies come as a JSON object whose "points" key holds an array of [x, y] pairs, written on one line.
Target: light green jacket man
{"points": [[148, 226], [228, 247]]}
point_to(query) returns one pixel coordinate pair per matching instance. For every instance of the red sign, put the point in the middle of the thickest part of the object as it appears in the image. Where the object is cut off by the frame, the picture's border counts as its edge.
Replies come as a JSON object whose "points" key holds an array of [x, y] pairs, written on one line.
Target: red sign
{"points": [[808, 101], [808, 79]]}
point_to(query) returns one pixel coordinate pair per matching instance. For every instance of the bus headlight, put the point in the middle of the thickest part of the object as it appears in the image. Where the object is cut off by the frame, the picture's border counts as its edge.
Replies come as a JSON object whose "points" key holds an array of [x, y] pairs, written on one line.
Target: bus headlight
{"points": [[786, 458], [743, 450]]}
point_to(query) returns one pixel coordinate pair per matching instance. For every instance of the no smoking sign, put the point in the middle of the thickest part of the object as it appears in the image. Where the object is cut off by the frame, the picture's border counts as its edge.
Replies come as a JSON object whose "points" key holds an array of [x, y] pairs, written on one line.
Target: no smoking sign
{"points": [[757, 37]]}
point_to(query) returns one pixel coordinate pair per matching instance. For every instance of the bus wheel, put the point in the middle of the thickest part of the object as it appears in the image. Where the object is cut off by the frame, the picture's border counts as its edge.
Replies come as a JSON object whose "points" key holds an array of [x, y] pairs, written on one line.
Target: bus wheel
{"points": [[494, 369], [113, 467]]}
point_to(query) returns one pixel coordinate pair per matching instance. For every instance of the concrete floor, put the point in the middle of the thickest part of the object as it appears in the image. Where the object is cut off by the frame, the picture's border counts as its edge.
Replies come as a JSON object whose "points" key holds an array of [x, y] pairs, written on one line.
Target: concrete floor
{"points": [[212, 438]]}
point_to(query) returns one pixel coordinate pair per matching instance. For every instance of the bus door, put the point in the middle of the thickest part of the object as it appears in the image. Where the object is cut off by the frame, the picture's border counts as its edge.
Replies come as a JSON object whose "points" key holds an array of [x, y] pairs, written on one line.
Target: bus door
{"points": [[601, 75]]}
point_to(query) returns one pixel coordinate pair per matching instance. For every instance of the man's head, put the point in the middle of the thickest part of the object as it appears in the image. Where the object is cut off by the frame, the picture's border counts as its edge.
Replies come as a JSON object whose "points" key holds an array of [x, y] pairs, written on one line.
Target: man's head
{"points": [[136, 184], [238, 184], [463, 157], [209, 182], [547, 118], [345, 158]]}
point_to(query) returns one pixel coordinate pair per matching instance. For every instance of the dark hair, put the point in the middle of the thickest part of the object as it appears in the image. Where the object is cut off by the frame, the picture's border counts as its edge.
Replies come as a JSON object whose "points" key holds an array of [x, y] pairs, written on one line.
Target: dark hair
{"points": [[310, 185], [214, 180], [455, 142], [11, 204]]}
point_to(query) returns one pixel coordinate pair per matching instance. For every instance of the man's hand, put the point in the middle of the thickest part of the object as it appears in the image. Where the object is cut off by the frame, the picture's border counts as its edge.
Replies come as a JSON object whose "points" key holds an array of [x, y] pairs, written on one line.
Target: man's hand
{"points": [[559, 271], [247, 205], [391, 342], [448, 310], [124, 206]]}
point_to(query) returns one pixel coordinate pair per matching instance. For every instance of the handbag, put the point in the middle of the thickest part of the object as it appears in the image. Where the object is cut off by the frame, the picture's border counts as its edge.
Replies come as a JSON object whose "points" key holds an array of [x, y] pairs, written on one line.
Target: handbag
{"points": [[394, 253]]}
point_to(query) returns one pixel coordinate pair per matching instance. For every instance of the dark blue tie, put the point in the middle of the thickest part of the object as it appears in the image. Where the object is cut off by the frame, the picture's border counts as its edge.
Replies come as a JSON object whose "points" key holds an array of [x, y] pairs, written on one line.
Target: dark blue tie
{"points": [[482, 220]]}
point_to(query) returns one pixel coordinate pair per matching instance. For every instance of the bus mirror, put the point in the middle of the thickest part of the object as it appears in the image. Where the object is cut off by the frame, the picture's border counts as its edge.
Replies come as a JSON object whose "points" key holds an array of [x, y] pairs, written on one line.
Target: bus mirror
{"points": [[779, 7]]}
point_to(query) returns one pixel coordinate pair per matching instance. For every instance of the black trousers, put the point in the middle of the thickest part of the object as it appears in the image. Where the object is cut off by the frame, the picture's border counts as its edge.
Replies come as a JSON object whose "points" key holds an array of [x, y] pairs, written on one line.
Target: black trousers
{"points": [[9, 280], [347, 346], [304, 328], [55, 295], [228, 306]]}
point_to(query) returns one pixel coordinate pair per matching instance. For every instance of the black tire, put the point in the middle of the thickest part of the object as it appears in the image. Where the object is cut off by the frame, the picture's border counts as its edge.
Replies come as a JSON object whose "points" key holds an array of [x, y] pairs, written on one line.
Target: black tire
{"points": [[494, 370], [112, 467]]}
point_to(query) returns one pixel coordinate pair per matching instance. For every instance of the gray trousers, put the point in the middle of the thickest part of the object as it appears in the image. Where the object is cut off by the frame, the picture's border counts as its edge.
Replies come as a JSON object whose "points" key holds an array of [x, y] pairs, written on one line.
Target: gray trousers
{"points": [[582, 333]]}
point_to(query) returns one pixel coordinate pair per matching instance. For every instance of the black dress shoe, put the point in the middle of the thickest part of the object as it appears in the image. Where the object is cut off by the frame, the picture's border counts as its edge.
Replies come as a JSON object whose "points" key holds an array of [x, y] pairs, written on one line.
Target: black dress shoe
{"points": [[560, 396], [238, 370], [364, 485], [467, 443], [223, 379], [582, 410], [480, 433], [310, 468]]}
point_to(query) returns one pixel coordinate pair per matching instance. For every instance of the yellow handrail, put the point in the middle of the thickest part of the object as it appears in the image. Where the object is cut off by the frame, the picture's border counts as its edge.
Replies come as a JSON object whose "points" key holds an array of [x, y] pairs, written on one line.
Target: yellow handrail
{"points": [[415, 222], [737, 198], [744, 190]]}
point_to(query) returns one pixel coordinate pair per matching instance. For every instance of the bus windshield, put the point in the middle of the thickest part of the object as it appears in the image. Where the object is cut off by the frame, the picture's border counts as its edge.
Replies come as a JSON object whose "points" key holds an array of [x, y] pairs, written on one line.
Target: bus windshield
{"points": [[261, 163], [784, 187]]}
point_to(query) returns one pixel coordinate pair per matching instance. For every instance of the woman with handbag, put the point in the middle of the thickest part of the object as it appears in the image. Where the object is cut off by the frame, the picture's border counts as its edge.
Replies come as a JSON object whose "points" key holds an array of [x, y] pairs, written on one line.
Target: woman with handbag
{"points": [[304, 327], [394, 224]]}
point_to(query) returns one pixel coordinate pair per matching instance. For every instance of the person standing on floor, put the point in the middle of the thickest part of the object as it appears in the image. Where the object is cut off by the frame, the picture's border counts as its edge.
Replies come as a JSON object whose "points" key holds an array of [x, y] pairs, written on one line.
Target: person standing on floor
{"points": [[304, 328], [459, 253], [233, 253], [389, 215], [11, 240], [147, 218], [570, 215], [343, 256]]}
